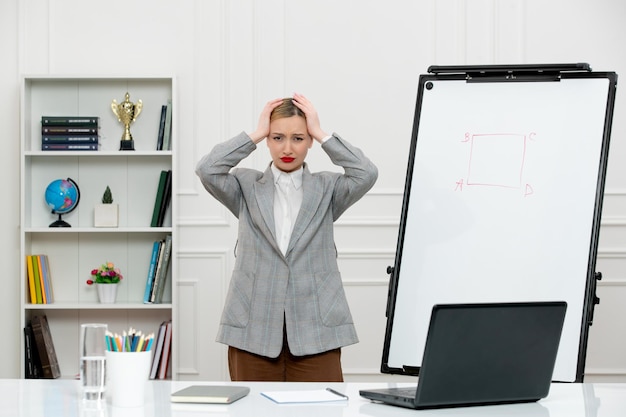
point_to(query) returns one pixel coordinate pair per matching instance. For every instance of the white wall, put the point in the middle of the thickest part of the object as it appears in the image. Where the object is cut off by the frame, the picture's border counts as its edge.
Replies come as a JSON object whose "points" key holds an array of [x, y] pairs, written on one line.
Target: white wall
{"points": [[10, 217], [359, 61]]}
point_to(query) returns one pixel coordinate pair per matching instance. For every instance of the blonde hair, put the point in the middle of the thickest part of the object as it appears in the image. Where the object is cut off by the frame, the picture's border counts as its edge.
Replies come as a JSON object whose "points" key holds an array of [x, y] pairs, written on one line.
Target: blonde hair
{"points": [[286, 109]]}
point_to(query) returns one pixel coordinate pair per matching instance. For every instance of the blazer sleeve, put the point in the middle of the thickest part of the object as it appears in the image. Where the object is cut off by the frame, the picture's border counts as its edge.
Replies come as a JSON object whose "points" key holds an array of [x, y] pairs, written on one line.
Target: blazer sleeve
{"points": [[360, 174], [214, 170]]}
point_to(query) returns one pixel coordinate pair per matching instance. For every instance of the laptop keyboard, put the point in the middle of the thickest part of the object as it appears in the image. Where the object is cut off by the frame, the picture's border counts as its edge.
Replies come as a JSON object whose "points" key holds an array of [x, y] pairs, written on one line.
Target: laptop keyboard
{"points": [[403, 392]]}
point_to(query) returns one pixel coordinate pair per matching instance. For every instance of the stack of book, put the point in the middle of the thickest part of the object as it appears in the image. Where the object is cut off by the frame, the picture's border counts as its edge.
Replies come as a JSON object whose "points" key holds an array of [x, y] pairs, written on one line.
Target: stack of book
{"points": [[39, 279], [157, 271], [40, 355], [160, 368], [69, 133]]}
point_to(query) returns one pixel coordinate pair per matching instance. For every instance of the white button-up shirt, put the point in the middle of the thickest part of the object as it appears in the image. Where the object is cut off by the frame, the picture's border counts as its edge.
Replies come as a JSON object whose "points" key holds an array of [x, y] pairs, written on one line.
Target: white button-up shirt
{"points": [[287, 202]]}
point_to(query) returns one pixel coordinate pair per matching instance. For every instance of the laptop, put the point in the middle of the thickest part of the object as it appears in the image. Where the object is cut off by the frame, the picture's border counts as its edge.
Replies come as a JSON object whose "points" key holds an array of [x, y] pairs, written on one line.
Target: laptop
{"points": [[480, 354]]}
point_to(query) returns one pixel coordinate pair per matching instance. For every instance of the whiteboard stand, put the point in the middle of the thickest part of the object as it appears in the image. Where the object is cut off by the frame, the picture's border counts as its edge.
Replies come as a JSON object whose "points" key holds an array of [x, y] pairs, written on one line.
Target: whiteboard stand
{"points": [[502, 200]]}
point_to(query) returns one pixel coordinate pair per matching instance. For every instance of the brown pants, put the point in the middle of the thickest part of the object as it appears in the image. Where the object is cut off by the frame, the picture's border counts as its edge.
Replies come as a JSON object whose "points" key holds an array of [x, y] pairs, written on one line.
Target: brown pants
{"points": [[322, 367]]}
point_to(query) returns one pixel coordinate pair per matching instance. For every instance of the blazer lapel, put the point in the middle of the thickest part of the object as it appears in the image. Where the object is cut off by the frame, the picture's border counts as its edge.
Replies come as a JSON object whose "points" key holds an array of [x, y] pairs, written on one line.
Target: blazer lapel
{"points": [[264, 193], [312, 195]]}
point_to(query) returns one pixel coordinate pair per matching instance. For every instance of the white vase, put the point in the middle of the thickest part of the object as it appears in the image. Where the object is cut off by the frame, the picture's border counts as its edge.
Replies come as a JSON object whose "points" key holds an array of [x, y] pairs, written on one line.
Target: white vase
{"points": [[107, 293], [106, 215]]}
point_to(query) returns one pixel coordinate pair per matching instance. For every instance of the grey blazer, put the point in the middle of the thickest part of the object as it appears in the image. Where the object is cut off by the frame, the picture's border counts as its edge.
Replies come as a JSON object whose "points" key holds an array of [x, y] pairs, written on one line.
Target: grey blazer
{"points": [[301, 290]]}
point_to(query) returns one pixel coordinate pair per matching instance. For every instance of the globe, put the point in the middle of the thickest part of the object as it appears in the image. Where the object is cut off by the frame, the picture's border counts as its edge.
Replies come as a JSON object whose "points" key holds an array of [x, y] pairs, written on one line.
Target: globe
{"points": [[62, 196]]}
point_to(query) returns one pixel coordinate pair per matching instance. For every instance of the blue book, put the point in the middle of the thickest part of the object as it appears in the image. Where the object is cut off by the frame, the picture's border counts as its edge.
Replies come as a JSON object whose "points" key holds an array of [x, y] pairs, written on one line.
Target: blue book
{"points": [[153, 262], [47, 279]]}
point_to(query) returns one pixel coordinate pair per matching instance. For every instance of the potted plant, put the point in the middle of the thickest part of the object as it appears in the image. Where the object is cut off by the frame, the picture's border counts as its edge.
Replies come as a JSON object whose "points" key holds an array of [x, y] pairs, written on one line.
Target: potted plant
{"points": [[107, 213], [106, 278]]}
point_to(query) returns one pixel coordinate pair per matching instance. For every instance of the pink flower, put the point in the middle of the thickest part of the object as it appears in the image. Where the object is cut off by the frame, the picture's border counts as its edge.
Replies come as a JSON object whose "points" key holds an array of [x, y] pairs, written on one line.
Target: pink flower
{"points": [[107, 273]]}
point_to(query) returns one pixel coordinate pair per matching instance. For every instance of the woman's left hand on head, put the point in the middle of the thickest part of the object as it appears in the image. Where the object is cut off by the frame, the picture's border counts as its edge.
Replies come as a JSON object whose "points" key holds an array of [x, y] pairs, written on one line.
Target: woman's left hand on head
{"points": [[312, 118]]}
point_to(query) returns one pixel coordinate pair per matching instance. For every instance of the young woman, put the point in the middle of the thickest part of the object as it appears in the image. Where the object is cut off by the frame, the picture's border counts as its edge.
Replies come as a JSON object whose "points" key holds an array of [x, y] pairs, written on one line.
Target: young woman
{"points": [[286, 316]]}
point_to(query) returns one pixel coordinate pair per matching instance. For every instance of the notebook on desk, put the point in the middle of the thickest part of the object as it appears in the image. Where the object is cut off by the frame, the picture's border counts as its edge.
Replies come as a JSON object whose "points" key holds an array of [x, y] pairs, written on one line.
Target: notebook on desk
{"points": [[479, 354], [210, 394]]}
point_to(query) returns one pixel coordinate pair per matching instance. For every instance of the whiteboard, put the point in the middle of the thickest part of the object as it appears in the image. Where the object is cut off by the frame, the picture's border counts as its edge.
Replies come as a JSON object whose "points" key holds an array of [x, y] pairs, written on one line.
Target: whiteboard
{"points": [[502, 204]]}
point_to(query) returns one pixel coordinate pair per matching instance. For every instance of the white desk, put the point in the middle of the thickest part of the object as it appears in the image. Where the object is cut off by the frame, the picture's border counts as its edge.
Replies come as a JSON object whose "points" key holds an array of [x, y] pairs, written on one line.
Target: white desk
{"points": [[35, 398]]}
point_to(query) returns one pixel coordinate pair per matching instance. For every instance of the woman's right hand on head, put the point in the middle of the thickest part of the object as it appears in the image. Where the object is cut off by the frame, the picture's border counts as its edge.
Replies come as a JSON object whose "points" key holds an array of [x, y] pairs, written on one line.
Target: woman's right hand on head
{"points": [[263, 127]]}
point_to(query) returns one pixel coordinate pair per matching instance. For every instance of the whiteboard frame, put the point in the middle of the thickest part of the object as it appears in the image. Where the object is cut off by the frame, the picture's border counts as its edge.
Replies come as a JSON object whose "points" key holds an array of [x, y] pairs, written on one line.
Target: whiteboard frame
{"points": [[506, 74]]}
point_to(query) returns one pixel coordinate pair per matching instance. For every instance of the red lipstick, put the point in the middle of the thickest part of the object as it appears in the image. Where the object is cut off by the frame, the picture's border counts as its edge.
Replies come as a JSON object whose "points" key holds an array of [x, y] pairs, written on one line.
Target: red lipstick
{"points": [[287, 159]]}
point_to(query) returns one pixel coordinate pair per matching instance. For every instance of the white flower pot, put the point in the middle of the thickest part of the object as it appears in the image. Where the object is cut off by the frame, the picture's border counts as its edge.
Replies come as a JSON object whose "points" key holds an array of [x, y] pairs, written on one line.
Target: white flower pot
{"points": [[107, 293], [106, 215]]}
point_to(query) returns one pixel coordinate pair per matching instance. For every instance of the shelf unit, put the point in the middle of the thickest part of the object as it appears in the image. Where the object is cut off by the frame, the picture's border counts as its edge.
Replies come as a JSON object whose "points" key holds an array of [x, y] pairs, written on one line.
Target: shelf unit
{"points": [[133, 177]]}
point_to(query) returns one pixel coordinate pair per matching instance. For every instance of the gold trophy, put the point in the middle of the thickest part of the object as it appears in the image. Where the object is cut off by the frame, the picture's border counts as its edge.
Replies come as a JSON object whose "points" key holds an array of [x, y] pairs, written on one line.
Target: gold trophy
{"points": [[127, 113]]}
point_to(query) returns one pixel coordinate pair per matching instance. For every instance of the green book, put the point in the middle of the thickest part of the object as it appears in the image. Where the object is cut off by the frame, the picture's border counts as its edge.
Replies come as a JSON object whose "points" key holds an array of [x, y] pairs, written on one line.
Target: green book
{"points": [[158, 199], [38, 289], [167, 197]]}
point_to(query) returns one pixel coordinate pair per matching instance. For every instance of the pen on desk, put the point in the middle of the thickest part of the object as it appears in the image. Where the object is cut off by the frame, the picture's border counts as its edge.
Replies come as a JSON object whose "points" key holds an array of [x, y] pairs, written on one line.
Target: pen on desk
{"points": [[337, 393]]}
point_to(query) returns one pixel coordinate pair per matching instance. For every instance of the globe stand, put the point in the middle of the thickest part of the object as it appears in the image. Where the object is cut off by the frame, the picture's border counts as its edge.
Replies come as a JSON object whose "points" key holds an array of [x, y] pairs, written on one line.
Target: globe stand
{"points": [[60, 223]]}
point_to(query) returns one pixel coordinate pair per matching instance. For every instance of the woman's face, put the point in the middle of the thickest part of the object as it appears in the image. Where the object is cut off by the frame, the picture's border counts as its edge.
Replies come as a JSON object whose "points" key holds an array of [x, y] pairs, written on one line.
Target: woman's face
{"points": [[289, 142]]}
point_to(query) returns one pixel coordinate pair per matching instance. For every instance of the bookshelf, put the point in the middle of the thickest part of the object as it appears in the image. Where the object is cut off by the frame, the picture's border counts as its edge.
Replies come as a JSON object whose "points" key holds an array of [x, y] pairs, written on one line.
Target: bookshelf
{"points": [[133, 178]]}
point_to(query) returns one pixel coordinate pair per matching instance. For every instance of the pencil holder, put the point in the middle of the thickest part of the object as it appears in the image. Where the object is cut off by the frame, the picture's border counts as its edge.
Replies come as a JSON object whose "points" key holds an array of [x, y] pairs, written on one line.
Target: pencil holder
{"points": [[127, 376]]}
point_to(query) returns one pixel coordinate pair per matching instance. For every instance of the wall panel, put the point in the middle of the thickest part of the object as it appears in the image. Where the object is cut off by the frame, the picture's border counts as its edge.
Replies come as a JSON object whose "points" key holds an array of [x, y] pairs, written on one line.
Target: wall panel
{"points": [[201, 289]]}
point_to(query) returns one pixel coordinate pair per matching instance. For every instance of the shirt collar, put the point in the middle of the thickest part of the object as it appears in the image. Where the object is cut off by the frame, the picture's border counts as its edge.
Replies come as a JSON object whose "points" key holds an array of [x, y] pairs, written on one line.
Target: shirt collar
{"points": [[295, 176]]}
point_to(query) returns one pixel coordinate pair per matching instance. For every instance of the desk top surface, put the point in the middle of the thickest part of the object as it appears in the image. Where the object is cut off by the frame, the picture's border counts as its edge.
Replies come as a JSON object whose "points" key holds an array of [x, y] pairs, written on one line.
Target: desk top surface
{"points": [[35, 398]]}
